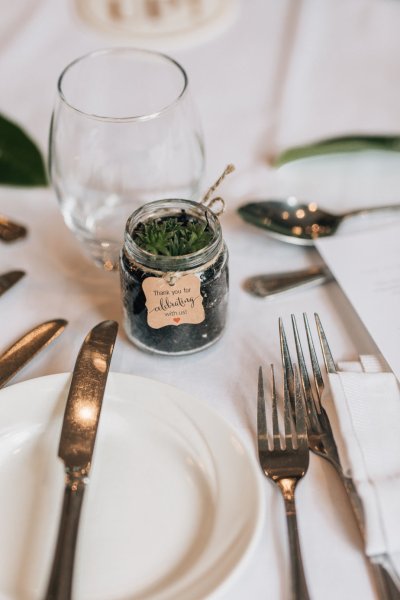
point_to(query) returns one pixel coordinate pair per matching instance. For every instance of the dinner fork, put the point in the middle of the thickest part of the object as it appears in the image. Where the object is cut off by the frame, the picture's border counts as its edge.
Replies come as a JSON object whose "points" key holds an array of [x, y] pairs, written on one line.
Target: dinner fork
{"points": [[285, 465], [320, 436]]}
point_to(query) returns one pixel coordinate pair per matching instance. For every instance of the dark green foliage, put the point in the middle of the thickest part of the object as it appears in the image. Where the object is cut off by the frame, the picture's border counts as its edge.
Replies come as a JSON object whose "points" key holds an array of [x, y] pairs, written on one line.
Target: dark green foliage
{"points": [[21, 162]]}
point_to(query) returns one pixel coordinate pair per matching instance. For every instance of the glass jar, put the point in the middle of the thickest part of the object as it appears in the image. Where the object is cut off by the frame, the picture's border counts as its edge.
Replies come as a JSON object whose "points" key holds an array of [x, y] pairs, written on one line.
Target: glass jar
{"points": [[174, 304]]}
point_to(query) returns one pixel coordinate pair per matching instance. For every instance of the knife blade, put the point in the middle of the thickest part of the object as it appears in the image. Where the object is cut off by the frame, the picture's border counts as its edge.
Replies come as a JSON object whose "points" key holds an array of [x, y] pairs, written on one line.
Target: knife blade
{"points": [[22, 351], [77, 440], [7, 280], [11, 231]]}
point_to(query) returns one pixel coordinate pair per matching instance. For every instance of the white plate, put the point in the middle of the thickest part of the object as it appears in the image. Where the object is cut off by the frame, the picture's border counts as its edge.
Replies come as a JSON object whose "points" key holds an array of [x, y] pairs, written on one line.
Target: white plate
{"points": [[174, 503]]}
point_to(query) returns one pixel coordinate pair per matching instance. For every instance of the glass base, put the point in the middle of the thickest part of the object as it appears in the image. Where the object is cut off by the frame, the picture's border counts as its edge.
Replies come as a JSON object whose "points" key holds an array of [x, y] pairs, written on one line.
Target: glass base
{"points": [[104, 254]]}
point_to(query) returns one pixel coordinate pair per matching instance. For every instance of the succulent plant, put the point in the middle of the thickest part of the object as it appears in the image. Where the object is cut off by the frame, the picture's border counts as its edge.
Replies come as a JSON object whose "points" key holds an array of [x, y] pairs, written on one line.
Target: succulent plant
{"points": [[173, 236]]}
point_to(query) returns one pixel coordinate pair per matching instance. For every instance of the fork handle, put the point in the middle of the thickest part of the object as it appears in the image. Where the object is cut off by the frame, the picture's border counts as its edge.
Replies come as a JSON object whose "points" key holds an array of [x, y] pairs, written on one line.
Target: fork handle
{"points": [[299, 589]]}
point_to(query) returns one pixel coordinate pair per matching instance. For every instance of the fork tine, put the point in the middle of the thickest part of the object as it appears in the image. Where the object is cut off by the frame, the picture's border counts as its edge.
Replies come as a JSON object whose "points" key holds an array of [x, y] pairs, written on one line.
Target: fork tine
{"points": [[319, 382], [301, 425], [262, 434], [311, 407], [275, 425], [326, 351], [286, 361], [287, 415]]}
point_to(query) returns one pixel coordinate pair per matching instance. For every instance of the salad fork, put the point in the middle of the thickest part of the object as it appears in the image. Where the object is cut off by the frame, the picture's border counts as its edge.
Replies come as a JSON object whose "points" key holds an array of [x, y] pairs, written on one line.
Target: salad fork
{"points": [[285, 465], [320, 436]]}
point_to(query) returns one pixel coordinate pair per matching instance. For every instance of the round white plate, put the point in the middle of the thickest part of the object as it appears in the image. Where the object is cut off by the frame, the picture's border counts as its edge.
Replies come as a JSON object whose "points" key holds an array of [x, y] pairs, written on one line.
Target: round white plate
{"points": [[173, 506]]}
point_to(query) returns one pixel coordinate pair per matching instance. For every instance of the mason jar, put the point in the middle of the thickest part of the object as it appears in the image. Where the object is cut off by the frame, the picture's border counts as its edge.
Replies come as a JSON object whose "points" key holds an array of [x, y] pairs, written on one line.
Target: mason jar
{"points": [[174, 304]]}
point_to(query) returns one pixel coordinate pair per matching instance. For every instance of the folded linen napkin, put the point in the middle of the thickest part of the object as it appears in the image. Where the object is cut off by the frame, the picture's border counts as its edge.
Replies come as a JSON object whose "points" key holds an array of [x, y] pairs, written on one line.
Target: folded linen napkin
{"points": [[365, 420]]}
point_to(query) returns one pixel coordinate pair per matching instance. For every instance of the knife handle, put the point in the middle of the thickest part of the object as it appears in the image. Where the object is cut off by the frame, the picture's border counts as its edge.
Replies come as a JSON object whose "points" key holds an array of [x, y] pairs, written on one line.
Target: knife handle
{"points": [[60, 582], [269, 286], [385, 586]]}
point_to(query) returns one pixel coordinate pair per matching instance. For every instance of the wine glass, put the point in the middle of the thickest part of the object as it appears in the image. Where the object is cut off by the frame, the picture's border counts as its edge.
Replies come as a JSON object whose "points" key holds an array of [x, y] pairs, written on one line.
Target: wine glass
{"points": [[124, 131]]}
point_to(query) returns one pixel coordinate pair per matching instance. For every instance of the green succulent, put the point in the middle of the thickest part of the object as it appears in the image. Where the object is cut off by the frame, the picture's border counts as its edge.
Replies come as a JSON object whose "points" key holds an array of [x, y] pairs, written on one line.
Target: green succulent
{"points": [[173, 236]]}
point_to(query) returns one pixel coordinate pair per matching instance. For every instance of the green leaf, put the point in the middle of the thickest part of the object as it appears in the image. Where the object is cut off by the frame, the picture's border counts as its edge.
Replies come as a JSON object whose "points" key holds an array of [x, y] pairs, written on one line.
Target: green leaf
{"points": [[339, 145], [21, 162]]}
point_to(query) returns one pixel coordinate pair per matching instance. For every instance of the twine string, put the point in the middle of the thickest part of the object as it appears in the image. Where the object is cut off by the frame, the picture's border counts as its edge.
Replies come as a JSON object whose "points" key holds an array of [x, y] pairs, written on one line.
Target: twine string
{"points": [[210, 202]]}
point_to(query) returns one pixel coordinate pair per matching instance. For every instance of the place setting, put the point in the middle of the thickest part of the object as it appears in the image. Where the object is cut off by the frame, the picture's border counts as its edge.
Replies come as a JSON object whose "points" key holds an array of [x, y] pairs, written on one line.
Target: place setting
{"points": [[198, 287]]}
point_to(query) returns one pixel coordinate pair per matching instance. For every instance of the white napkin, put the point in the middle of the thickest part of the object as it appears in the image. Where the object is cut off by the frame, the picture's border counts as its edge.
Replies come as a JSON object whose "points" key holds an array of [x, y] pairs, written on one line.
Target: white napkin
{"points": [[366, 425]]}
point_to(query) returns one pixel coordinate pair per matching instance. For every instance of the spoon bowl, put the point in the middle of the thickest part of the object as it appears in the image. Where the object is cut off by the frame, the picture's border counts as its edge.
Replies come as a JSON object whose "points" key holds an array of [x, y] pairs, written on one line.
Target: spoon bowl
{"points": [[296, 222]]}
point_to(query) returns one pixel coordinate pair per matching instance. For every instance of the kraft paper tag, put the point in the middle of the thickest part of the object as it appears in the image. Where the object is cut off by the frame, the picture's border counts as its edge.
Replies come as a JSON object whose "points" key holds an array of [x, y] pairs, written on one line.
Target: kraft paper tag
{"points": [[173, 304]]}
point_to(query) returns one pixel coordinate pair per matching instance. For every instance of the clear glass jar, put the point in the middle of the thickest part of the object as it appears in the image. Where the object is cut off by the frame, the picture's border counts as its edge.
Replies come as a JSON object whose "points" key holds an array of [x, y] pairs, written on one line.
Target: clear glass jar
{"points": [[174, 304]]}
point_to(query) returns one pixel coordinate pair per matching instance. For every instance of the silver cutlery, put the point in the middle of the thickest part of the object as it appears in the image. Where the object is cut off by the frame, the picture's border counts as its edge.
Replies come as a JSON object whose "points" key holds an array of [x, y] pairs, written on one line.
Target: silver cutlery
{"points": [[78, 435], [285, 465], [11, 231], [7, 280], [290, 220], [320, 436], [24, 349], [274, 284]]}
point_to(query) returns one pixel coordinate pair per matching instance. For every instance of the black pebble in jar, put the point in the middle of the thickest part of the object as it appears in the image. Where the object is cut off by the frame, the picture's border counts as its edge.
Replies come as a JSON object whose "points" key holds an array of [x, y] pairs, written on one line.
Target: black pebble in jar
{"points": [[190, 287]]}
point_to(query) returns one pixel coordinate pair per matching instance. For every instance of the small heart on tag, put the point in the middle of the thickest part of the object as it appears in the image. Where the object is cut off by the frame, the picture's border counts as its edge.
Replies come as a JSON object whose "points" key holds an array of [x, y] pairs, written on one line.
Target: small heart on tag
{"points": [[176, 319]]}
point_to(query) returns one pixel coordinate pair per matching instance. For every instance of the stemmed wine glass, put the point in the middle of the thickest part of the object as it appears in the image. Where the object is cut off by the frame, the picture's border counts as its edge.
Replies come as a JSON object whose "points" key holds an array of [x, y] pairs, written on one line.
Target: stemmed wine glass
{"points": [[124, 131]]}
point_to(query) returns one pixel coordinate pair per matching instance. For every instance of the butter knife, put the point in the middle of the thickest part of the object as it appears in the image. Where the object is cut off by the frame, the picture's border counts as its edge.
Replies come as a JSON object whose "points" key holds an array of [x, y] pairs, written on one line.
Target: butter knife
{"points": [[78, 435], [9, 279], [22, 351], [11, 231]]}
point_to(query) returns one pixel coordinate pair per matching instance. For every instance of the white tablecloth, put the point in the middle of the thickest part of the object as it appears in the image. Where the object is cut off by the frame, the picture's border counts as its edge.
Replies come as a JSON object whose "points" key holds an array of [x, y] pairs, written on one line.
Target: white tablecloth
{"points": [[245, 83]]}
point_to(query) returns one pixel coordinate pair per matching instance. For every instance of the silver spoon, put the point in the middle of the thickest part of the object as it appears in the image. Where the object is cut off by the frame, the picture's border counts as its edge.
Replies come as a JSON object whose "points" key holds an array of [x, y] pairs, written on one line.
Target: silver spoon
{"points": [[292, 221]]}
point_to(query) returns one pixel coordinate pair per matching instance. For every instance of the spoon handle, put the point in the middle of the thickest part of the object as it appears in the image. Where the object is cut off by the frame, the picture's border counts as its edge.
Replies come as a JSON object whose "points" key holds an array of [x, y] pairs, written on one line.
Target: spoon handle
{"points": [[271, 285], [370, 209]]}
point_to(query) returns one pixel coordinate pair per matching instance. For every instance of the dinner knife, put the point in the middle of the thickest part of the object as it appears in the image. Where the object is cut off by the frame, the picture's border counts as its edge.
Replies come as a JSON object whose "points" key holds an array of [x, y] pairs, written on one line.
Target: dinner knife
{"points": [[7, 280], [385, 576], [78, 435], [22, 351], [11, 231]]}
